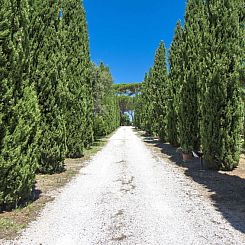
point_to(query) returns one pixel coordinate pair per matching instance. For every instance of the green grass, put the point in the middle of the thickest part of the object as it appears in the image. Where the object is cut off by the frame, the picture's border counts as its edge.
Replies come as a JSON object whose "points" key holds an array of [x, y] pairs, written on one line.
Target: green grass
{"points": [[7, 224], [16, 220], [97, 145]]}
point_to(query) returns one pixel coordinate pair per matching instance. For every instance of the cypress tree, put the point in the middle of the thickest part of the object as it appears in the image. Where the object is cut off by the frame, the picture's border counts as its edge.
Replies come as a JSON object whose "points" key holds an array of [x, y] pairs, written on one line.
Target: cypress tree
{"points": [[153, 98], [108, 99], [159, 85], [222, 104], [98, 95], [19, 113], [189, 113], [88, 130], [139, 107], [106, 106], [79, 105], [148, 119], [138, 117], [47, 73], [175, 62], [241, 13]]}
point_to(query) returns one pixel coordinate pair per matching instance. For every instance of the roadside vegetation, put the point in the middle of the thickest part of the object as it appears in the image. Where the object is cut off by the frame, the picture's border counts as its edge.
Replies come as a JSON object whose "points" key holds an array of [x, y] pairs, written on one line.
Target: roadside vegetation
{"points": [[54, 101], [46, 188], [57, 107], [199, 105]]}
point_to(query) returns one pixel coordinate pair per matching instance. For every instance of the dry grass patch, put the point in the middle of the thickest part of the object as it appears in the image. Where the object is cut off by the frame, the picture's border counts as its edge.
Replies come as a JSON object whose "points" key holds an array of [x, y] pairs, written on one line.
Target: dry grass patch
{"points": [[226, 190], [13, 222]]}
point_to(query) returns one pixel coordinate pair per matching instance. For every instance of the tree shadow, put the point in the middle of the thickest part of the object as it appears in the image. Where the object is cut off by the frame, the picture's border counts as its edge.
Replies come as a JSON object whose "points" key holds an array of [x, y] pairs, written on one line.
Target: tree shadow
{"points": [[98, 142], [226, 191], [34, 196]]}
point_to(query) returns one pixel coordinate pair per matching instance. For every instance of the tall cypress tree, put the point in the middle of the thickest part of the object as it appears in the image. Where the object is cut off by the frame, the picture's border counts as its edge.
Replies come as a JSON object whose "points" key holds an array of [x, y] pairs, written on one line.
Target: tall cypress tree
{"points": [[19, 113], [106, 110], [189, 113], [79, 106], [176, 64], [147, 94], [153, 98], [139, 108], [159, 85], [88, 132], [222, 104], [46, 72]]}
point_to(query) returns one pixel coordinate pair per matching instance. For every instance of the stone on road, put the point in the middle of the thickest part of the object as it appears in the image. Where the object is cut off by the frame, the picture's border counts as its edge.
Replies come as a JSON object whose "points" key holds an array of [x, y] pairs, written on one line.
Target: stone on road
{"points": [[127, 195]]}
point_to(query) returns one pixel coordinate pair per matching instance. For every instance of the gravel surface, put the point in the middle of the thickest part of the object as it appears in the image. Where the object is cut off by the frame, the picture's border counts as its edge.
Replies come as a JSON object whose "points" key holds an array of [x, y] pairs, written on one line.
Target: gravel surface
{"points": [[127, 195]]}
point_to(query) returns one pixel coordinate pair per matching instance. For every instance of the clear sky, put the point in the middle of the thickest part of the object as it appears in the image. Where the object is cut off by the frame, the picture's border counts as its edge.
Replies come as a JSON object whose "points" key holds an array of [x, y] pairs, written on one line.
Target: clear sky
{"points": [[124, 34]]}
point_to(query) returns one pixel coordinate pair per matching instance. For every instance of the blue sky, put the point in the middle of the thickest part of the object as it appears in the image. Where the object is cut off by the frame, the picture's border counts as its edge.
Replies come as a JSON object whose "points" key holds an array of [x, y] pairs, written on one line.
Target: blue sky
{"points": [[124, 34]]}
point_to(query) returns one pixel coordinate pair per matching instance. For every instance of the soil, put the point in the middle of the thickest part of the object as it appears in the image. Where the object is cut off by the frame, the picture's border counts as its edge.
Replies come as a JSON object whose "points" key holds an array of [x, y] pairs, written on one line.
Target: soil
{"points": [[226, 190], [47, 187], [138, 191]]}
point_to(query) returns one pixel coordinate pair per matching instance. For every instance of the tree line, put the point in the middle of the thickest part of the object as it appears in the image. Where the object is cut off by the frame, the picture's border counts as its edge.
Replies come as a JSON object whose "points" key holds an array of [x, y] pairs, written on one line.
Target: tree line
{"points": [[126, 98], [54, 102], [197, 103]]}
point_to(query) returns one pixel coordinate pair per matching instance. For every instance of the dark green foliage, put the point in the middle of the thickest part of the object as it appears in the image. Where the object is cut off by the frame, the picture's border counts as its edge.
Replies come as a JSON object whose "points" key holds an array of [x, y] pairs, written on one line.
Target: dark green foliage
{"points": [[126, 95], [127, 105], [189, 114], [159, 88], [89, 125], [243, 132], [241, 12], [203, 97], [47, 99], [49, 87], [46, 72], [19, 113], [138, 112], [221, 93], [106, 106], [125, 120], [129, 89], [175, 75], [151, 104], [79, 104], [147, 119]]}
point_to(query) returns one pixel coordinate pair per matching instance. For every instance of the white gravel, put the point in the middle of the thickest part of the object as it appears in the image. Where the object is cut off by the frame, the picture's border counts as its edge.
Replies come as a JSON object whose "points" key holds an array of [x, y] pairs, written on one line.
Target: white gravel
{"points": [[127, 195]]}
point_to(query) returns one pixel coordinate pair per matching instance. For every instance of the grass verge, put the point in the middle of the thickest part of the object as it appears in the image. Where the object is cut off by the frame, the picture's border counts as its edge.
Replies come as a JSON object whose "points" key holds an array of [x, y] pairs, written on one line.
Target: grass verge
{"points": [[225, 190], [46, 187]]}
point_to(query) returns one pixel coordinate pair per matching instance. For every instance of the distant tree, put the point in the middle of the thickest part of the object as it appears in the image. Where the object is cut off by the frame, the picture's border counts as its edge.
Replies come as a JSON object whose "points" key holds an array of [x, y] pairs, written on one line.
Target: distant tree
{"points": [[159, 86], [106, 104], [148, 123], [130, 89], [126, 96], [126, 104], [140, 104], [125, 120], [138, 119]]}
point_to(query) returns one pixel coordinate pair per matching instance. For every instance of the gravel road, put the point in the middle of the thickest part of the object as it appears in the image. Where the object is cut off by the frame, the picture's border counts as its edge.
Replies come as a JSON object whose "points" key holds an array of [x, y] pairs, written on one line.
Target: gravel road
{"points": [[127, 195]]}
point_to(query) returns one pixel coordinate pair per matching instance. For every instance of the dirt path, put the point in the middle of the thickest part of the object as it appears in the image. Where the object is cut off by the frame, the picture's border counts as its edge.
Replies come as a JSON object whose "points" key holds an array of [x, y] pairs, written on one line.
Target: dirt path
{"points": [[127, 195]]}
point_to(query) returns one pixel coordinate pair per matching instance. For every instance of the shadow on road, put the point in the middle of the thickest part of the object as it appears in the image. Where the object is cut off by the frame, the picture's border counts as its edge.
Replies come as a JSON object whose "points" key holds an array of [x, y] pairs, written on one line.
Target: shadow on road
{"points": [[225, 190]]}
